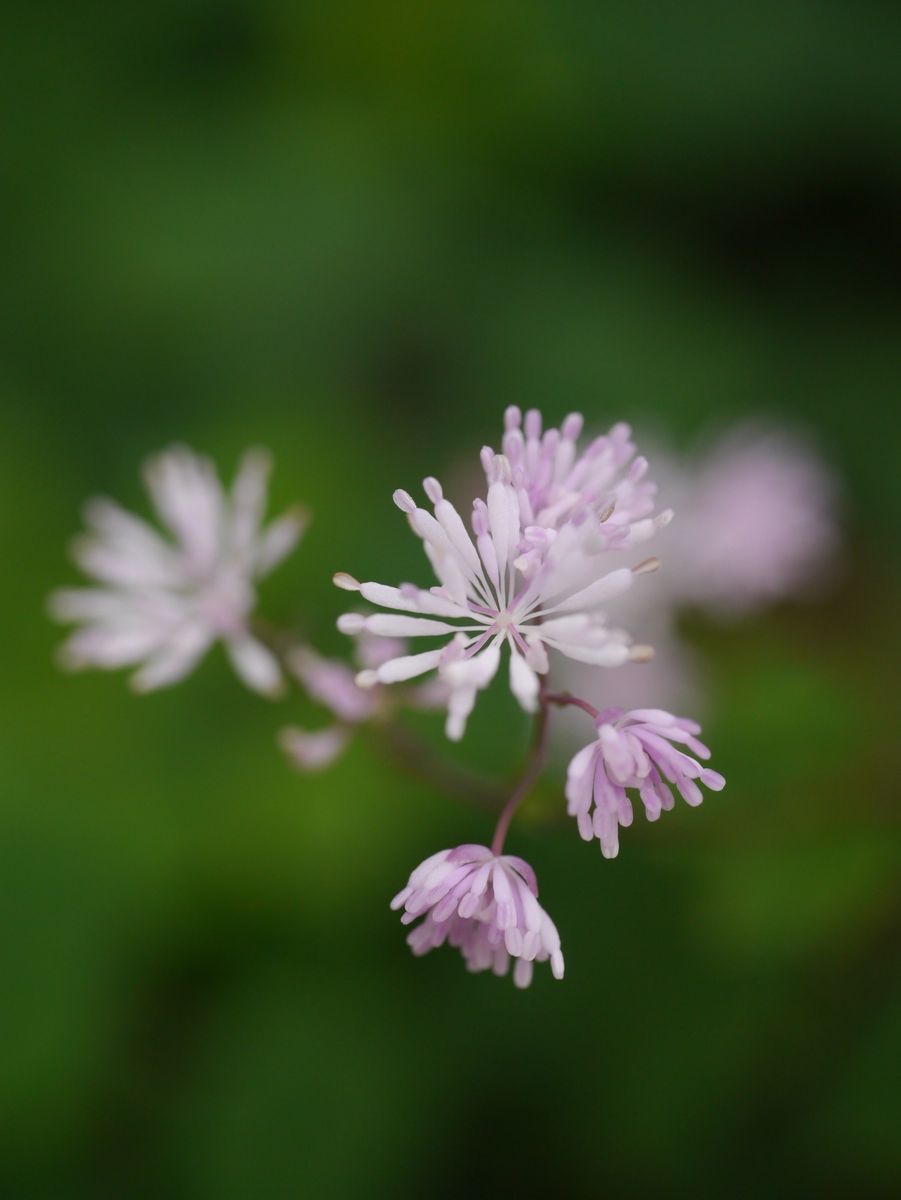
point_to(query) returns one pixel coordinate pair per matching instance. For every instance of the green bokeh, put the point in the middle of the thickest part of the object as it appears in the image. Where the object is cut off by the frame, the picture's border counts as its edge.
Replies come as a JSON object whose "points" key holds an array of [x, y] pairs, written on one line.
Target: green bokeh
{"points": [[354, 233]]}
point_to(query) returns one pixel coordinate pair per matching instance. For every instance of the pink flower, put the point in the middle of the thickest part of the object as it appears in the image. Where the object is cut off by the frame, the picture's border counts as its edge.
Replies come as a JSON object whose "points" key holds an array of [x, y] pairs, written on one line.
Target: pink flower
{"points": [[634, 750], [162, 602], [531, 588], [555, 483], [757, 523], [333, 684], [484, 905]]}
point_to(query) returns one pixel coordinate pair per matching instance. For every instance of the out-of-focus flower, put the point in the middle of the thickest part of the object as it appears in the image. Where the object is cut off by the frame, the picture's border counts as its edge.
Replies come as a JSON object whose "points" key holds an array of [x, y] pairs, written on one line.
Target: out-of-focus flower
{"points": [[162, 602], [313, 749], [533, 588], [333, 684], [757, 523], [484, 905], [635, 750]]}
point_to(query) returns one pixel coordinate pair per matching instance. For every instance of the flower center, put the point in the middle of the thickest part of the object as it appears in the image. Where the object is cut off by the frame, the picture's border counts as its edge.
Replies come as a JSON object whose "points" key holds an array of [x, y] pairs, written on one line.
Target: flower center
{"points": [[224, 604]]}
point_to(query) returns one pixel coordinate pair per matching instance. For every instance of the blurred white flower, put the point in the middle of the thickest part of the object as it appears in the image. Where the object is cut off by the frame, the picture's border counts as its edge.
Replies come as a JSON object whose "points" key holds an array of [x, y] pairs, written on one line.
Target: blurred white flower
{"points": [[162, 601]]}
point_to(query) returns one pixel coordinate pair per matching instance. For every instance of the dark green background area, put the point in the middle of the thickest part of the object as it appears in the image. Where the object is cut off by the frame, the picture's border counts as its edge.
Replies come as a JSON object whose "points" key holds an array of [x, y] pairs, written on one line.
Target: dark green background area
{"points": [[354, 232]]}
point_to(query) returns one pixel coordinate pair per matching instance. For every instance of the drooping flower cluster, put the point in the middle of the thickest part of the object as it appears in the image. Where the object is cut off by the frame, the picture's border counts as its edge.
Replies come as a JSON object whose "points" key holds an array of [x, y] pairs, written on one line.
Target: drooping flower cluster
{"points": [[635, 750], [485, 905], [531, 576], [162, 602]]}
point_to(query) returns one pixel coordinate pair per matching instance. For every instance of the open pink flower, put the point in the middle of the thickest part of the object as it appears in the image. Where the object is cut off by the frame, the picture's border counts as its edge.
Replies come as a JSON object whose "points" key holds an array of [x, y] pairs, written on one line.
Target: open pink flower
{"points": [[484, 905], [635, 750], [532, 588]]}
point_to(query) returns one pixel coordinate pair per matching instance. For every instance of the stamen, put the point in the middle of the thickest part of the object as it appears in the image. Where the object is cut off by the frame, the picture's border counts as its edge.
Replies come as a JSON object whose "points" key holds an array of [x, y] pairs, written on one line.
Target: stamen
{"points": [[352, 623], [637, 470], [646, 567], [641, 654], [346, 582], [479, 518], [500, 469], [533, 424], [572, 427], [404, 501], [607, 512], [432, 489]]}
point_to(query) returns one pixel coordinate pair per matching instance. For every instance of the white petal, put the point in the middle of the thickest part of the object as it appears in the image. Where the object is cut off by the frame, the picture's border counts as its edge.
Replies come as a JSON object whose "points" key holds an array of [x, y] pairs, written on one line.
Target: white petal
{"points": [[278, 540], [255, 664], [396, 670], [477, 671], [88, 604], [110, 645], [612, 584], [391, 625], [128, 563], [523, 682], [503, 518], [131, 550], [248, 499], [614, 654], [458, 536], [188, 496], [416, 601], [175, 661]]}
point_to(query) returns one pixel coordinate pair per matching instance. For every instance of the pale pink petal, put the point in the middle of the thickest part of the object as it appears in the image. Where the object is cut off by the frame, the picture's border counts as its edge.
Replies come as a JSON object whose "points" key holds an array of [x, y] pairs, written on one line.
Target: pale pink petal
{"points": [[313, 750], [256, 665]]}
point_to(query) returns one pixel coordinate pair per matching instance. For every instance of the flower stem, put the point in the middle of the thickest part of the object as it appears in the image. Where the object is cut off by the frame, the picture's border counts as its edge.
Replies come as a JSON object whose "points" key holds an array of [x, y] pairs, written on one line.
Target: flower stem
{"points": [[398, 743], [566, 699], [529, 776]]}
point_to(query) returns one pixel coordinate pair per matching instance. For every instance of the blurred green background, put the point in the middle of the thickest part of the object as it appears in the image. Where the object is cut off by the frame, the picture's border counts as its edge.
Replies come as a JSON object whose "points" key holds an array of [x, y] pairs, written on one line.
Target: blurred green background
{"points": [[354, 232]]}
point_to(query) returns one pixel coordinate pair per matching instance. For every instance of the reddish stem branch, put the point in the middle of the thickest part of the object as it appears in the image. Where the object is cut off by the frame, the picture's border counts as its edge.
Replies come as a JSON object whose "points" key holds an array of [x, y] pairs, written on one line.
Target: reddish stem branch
{"points": [[566, 700], [528, 778]]}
